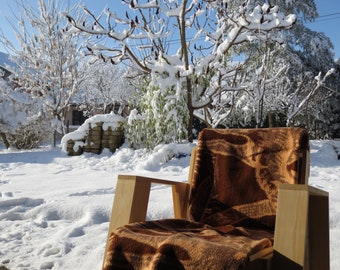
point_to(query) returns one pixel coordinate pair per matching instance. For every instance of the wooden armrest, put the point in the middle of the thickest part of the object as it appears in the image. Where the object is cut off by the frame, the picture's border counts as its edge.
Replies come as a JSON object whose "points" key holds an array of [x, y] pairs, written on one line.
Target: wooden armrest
{"points": [[132, 197], [301, 239]]}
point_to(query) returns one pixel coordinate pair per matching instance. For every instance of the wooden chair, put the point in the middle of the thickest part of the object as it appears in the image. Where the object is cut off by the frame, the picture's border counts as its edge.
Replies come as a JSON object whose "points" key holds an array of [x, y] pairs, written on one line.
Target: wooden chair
{"points": [[233, 194]]}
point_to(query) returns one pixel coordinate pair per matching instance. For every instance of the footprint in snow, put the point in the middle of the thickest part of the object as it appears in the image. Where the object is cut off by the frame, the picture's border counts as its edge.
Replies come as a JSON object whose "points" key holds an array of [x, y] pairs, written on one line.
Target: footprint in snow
{"points": [[101, 191], [6, 194], [15, 209], [76, 232], [50, 251], [46, 265], [4, 182]]}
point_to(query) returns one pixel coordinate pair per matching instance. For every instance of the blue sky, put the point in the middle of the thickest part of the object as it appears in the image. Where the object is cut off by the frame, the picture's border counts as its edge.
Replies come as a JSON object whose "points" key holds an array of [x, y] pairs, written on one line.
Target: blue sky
{"points": [[329, 22]]}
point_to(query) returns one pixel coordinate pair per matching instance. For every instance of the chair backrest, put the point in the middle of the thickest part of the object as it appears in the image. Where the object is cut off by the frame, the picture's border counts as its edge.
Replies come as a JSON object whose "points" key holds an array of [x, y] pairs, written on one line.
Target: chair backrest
{"points": [[237, 173]]}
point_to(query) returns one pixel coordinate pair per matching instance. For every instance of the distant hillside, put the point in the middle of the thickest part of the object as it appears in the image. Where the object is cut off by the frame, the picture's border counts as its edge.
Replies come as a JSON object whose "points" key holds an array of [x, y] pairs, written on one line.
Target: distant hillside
{"points": [[4, 59]]}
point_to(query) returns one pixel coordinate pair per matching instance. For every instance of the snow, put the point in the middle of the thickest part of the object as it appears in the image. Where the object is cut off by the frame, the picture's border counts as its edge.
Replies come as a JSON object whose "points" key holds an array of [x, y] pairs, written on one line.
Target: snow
{"points": [[111, 120], [55, 209]]}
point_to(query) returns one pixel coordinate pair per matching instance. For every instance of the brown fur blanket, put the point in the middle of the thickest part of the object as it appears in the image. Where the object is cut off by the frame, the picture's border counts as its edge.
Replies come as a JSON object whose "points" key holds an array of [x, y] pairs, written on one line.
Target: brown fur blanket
{"points": [[232, 205], [177, 244], [238, 172]]}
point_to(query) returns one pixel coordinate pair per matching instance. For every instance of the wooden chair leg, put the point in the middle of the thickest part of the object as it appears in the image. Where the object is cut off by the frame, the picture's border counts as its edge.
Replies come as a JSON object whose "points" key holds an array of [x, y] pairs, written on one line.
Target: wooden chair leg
{"points": [[130, 202], [259, 264], [180, 195]]}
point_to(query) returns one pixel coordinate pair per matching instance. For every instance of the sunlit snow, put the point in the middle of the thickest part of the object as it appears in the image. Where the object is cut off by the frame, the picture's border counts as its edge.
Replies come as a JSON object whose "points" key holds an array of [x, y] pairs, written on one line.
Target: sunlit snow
{"points": [[55, 209]]}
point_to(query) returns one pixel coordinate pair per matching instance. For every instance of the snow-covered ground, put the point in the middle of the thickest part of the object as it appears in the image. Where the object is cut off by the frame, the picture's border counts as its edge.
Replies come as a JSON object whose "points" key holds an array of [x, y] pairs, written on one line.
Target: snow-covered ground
{"points": [[55, 209]]}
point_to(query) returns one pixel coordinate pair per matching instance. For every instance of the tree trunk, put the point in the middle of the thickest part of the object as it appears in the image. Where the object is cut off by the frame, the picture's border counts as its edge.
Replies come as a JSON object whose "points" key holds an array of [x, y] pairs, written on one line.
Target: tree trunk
{"points": [[188, 79], [54, 138], [271, 119], [4, 139], [191, 111]]}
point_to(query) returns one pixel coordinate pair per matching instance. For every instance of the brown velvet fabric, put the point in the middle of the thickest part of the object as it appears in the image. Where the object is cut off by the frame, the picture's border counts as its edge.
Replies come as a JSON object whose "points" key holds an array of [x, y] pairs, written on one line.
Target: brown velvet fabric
{"points": [[238, 171], [232, 205]]}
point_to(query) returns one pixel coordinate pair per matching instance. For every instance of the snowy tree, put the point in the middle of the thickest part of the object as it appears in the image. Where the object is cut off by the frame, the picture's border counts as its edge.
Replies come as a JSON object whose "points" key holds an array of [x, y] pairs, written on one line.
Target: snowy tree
{"points": [[311, 64], [276, 78], [104, 86], [17, 111], [185, 46], [47, 60], [312, 78], [330, 111], [10, 112]]}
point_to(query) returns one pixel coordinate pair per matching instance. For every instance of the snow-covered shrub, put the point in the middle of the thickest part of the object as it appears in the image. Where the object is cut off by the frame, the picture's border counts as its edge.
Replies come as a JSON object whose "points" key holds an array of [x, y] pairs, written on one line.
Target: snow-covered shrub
{"points": [[30, 136], [21, 122], [135, 131], [162, 119]]}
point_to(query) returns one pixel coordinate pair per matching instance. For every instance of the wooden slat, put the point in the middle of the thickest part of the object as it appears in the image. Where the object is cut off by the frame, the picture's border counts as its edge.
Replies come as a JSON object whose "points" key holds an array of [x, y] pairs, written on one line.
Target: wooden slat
{"points": [[180, 196], [265, 253], [130, 202], [192, 165]]}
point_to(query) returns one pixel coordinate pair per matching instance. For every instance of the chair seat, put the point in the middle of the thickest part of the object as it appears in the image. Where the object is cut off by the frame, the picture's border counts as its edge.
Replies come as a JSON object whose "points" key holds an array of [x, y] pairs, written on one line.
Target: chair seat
{"points": [[180, 244]]}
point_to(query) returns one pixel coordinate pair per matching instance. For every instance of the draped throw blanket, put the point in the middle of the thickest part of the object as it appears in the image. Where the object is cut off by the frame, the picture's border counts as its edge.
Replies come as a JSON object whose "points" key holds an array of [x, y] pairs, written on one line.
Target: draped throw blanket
{"points": [[238, 171], [177, 244], [232, 205]]}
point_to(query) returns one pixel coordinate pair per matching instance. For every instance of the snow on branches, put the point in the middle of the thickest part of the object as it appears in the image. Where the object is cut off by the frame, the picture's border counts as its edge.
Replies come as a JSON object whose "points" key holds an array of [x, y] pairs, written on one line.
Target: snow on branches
{"points": [[184, 46]]}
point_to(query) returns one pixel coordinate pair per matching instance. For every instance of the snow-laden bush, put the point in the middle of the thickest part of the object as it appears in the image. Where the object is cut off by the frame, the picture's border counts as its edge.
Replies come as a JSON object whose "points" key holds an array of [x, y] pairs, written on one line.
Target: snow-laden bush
{"points": [[30, 136], [162, 118], [135, 131], [21, 123]]}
